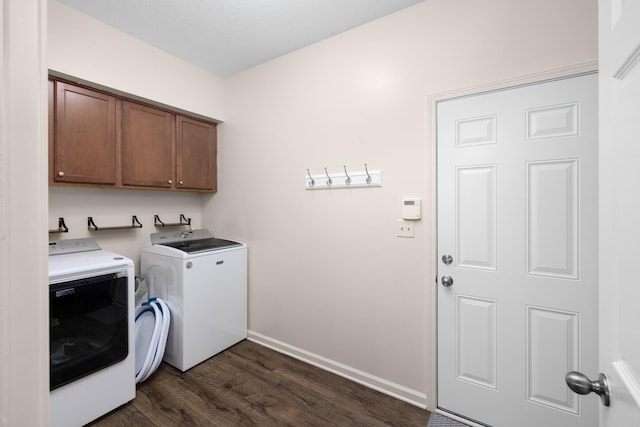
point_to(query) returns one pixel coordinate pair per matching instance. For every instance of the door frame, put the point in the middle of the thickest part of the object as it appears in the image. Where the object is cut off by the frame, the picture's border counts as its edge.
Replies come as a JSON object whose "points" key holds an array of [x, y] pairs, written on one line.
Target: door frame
{"points": [[24, 354], [431, 210]]}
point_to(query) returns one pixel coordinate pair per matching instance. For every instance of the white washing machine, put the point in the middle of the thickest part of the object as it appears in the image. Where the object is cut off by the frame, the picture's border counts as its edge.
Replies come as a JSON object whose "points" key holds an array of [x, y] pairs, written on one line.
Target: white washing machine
{"points": [[203, 279], [91, 337]]}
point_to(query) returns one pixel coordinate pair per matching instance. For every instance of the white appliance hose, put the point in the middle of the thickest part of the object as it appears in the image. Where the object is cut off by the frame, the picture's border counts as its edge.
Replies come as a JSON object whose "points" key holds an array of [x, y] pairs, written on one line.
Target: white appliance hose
{"points": [[154, 351]]}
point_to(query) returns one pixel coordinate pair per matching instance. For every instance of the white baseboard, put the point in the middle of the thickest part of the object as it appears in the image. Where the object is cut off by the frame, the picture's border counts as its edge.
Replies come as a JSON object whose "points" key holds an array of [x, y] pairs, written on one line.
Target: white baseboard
{"points": [[398, 391]]}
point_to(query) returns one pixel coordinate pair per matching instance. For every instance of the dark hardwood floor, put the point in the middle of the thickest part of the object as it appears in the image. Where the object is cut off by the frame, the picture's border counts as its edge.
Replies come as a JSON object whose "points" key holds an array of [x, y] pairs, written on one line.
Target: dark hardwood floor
{"points": [[251, 385]]}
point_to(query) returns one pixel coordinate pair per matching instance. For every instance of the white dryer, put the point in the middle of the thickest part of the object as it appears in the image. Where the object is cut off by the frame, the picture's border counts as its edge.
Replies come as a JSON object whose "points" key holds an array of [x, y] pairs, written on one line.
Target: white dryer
{"points": [[203, 280], [91, 333]]}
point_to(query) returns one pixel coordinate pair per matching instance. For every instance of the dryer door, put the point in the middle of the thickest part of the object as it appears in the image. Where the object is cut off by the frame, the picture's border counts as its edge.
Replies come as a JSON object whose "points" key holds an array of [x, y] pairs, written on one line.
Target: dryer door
{"points": [[88, 326]]}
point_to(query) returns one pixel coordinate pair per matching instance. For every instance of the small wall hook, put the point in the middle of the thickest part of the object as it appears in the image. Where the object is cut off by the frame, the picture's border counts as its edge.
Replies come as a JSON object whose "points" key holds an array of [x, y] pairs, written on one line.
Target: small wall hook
{"points": [[368, 180], [348, 179], [329, 180], [312, 181]]}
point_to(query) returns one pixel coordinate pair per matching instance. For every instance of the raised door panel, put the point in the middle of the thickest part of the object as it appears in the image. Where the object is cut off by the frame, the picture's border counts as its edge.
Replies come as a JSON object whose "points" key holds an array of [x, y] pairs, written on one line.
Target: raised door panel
{"points": [[552, 219], [196, 154], [147, 146], [552, 350], [476, 221], [475, 342], [85, 136]]}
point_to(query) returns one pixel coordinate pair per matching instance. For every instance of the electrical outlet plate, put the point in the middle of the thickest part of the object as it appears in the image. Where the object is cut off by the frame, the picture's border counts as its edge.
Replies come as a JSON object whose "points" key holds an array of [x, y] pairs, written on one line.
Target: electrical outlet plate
{"points": [[404, 228]]}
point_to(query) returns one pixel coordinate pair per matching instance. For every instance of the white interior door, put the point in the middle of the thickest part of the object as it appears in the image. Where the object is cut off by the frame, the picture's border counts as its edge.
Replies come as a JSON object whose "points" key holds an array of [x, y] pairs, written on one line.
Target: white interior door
{"points": [[620, 209], [517, 215]]}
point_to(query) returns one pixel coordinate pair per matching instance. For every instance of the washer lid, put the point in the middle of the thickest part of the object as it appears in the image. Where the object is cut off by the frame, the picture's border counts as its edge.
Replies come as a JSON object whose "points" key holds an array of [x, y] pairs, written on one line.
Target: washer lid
{"points": [[212, 244], [192, 241], [95, 262]]}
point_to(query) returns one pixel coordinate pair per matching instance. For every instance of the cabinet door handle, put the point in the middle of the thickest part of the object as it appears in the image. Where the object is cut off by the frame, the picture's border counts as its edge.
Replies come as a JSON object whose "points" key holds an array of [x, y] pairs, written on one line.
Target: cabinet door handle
{"points": [[180, 182], [60, 173], [169, 181]]}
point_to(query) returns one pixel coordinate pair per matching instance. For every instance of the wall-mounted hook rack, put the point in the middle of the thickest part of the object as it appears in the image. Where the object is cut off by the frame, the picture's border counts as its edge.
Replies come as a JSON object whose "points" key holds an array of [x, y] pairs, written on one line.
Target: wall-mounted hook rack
{"points": [[357, 179], [93, 227], [183, 221], [62, 227]]}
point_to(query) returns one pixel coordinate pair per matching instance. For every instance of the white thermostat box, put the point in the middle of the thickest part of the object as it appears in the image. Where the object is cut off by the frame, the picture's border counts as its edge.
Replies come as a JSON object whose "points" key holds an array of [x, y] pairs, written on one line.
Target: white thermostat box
{"points": [[411, 209]]}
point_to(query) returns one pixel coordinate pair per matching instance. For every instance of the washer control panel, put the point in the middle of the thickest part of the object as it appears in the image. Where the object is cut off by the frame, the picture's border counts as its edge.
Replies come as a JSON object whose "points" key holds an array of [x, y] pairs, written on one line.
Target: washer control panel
{"points": [[180, 236], [69, 246]]}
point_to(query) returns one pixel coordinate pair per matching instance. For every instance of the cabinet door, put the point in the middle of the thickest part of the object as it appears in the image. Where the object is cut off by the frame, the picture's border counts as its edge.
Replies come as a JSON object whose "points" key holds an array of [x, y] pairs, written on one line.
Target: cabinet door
{"points": [[85, 136], [52, 128], [148, 156], [196, 154]]}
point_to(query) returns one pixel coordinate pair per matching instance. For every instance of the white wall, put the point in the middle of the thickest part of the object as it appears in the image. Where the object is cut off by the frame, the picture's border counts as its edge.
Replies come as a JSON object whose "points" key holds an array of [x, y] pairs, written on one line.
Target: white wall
{"points": [[87, 49], [329, 280]]}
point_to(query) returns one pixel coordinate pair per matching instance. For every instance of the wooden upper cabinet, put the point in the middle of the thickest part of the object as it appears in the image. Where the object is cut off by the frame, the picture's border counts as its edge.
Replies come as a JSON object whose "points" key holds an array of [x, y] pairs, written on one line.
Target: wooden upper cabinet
{"points": [[148, 146], [101, 139], [84, 147], [196, 150]]}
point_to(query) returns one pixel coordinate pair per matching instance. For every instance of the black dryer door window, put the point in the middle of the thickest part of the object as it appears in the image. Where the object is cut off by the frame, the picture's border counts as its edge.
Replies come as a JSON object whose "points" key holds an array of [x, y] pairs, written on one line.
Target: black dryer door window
{"points": [[88, 327]]}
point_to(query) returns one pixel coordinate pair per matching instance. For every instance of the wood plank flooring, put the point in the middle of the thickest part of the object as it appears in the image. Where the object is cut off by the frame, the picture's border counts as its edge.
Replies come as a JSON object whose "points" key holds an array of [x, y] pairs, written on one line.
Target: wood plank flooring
{"points": [[251, 385]]}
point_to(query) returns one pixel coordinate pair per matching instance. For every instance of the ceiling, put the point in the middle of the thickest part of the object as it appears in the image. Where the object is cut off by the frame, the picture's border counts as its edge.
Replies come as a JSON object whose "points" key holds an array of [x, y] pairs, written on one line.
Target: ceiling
{"points": [[228, 36]]}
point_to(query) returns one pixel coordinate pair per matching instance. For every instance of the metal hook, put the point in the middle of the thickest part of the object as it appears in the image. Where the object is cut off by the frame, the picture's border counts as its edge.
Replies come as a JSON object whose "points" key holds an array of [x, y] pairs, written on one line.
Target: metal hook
{"points": [[368, 176], [348, 179], [312, 181], [329, 180]]}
